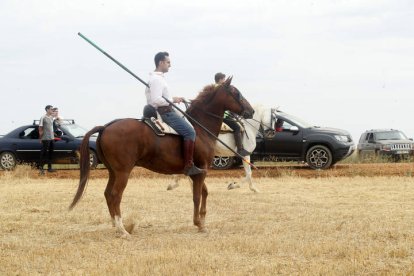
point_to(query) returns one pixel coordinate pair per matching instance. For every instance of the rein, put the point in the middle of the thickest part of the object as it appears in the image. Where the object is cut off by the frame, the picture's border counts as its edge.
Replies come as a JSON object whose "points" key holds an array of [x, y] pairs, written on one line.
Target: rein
{"points": [[262, 124]]}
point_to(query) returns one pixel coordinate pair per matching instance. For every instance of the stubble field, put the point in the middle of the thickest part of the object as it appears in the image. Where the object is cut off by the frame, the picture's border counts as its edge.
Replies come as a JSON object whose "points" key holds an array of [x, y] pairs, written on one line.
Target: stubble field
{"points": [[300, 225]]}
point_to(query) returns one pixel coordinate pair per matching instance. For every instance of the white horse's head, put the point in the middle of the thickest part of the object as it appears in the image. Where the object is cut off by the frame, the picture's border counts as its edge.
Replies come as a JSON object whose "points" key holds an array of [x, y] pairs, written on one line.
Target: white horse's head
{"points": [[263, 115]]}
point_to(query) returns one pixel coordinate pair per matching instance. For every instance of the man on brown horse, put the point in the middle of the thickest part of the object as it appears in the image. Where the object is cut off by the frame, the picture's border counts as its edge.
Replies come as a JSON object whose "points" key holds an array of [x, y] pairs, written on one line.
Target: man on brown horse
{"points": [[158, 89]]}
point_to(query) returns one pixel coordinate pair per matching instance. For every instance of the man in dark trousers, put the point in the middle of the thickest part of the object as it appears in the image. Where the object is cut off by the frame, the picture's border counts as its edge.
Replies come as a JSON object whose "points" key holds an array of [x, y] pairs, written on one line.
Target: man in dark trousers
{"points": [[46, 136]]}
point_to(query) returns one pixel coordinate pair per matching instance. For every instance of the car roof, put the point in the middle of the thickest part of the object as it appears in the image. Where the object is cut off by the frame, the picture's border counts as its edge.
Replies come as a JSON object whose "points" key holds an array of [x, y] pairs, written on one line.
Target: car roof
{"points": [[381, 130]]}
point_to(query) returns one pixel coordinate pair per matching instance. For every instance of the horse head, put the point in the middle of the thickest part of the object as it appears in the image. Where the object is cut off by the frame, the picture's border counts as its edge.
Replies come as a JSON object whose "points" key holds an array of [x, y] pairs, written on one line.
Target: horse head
{"points": [[234, 100]]}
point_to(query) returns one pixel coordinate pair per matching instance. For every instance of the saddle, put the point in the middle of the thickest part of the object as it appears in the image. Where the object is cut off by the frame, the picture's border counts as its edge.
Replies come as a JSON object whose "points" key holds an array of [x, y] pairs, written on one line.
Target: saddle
{"points": [[226, 129], [153, 119]]}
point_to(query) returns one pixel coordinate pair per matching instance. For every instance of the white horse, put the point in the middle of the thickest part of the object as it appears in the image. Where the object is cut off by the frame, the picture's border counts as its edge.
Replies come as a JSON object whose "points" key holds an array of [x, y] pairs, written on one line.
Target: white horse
{"points": [[262, 116]]}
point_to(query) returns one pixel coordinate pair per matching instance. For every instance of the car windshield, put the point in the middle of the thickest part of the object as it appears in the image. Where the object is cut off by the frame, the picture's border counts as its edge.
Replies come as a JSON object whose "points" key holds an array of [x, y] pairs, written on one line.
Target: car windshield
{"points": [[297, 121], [74, 129], [390, 135]]}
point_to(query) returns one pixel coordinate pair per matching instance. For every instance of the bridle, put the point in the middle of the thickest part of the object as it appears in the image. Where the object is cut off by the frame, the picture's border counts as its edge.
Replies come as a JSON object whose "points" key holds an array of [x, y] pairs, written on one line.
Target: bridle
{"points": [[239, 99]]}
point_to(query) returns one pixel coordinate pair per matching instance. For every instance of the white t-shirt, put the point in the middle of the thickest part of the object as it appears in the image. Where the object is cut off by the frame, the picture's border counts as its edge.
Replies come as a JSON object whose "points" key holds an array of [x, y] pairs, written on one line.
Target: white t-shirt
{"points": [[47, 123], [157, 88]]}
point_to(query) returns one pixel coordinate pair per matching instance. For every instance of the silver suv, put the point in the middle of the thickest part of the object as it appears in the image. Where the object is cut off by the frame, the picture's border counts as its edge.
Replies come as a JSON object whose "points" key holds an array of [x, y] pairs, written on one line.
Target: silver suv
{"points": [[385, 142]]}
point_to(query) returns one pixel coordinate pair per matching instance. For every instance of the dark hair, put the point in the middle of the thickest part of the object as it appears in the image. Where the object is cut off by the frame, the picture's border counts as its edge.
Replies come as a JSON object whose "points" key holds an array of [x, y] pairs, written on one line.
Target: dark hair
{"points": [[160, 57], [219, 76], [55, 109], [48, 107]]}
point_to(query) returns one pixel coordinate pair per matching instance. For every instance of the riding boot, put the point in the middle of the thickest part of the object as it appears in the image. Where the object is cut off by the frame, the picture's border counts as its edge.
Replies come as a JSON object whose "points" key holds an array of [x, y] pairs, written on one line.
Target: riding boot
{"points": [[239, 144], [189, 167]]}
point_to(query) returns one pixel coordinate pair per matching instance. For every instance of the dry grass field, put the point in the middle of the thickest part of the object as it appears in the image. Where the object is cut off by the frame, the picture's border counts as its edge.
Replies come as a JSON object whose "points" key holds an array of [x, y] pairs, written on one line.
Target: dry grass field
{"points": [[300, 226]]}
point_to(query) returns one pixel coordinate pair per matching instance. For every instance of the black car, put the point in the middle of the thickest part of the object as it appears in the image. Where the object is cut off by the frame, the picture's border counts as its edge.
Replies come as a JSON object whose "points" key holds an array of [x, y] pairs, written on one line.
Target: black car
{"points": [[22, 145], [297, 140]]}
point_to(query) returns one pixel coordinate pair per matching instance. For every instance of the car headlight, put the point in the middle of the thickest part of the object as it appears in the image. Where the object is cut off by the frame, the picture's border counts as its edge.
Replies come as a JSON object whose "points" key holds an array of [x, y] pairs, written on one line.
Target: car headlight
{"points": [[341, 138], [386, 147]]}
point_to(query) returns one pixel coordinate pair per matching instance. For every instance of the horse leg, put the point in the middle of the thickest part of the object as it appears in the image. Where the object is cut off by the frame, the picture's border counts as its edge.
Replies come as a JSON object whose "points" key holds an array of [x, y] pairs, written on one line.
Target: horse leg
{"points": [[203, 209], [174, 185], [248, 178], [198, 182], [120, 182], [108, 196]]}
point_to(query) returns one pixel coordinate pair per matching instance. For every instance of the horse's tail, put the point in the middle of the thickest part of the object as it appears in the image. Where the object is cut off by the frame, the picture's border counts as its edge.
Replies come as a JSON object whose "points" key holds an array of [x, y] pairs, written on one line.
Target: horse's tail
{"points": [[84, 164]]}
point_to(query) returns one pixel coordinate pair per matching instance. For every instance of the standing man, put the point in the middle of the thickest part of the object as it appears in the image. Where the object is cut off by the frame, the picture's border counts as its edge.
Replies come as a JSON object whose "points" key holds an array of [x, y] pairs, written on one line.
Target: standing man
{"points": [[229, 120], [157, 89], [46, 137]]}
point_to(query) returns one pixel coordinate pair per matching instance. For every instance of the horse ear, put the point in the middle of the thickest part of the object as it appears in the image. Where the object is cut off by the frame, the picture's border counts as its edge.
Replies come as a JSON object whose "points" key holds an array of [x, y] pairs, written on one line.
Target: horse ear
{"points": [[228, 81]]}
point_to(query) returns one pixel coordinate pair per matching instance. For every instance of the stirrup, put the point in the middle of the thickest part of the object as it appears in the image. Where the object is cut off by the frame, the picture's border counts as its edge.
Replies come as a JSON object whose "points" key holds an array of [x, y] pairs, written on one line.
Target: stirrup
{"points": [[193, 170]]}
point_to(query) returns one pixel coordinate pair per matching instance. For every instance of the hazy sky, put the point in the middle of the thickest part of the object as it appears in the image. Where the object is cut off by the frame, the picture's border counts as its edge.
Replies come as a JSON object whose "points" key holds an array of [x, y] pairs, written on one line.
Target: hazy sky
{"points": [[339, 63]]}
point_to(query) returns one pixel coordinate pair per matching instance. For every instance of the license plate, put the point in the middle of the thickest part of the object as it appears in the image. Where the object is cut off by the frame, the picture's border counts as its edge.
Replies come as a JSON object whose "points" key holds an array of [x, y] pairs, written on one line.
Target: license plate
{"points": [[402, 151]]}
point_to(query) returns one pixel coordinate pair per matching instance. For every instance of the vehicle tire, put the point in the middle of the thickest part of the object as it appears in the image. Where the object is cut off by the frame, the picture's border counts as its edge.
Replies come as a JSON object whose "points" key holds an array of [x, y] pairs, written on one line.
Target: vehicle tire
{"points": [[93, 159], [7, 161], [319, 157], [222, 162]]}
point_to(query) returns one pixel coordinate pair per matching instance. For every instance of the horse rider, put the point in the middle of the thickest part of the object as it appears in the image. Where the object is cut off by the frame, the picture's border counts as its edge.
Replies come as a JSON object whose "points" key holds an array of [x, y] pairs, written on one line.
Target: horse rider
{"points": [[157, 89], [229, 120]]}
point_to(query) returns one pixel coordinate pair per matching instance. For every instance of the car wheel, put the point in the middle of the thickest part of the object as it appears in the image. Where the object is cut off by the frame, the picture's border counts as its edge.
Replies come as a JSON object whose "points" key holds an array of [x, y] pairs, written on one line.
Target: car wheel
{"points": [[93, 159], [223, 162], [319, 157], [7, 160]]}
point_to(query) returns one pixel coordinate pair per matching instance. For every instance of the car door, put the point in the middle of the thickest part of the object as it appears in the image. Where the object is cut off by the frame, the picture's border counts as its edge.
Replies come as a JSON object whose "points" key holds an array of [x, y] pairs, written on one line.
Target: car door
{"points": [[286, 143], [367, 145], [27, 145], [65, 149]]}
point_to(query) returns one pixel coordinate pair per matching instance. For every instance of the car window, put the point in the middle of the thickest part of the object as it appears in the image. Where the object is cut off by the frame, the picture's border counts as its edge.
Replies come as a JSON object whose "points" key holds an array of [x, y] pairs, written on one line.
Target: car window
{"points": [[285, 125], [74, 129], [390, 135], [29, 133], [363, 138], [297, 121]]}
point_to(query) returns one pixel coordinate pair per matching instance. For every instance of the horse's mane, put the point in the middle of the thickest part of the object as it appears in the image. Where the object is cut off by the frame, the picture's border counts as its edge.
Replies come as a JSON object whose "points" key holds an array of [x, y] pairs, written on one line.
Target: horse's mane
{"points": [[204, 97]]}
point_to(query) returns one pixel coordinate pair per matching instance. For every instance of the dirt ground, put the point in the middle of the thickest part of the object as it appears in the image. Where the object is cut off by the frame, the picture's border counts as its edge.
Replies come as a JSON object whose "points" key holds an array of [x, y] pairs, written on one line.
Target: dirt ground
{"points": [[339, 170]]}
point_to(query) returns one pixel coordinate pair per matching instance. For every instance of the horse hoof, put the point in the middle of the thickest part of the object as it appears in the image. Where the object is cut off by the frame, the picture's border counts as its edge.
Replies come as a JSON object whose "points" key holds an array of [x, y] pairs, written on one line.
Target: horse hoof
{"points": [[202, 230], [232, 186], [130, 228], [172, 187], [125, 236]]}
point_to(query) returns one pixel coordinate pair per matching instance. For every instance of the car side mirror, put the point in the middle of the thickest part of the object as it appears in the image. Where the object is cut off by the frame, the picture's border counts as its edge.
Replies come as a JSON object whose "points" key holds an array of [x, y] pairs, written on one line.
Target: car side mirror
{"points": [[294, 129], [66, 138]]}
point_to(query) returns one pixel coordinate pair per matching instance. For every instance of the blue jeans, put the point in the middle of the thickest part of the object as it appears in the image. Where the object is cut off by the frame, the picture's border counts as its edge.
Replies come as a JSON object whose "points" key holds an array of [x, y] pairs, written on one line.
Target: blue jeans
{"points": [[180, 125]]}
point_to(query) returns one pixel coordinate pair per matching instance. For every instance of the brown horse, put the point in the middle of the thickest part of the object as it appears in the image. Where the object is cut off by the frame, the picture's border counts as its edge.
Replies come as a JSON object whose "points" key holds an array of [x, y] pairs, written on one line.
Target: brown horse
{"points": [[126, 143]]}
